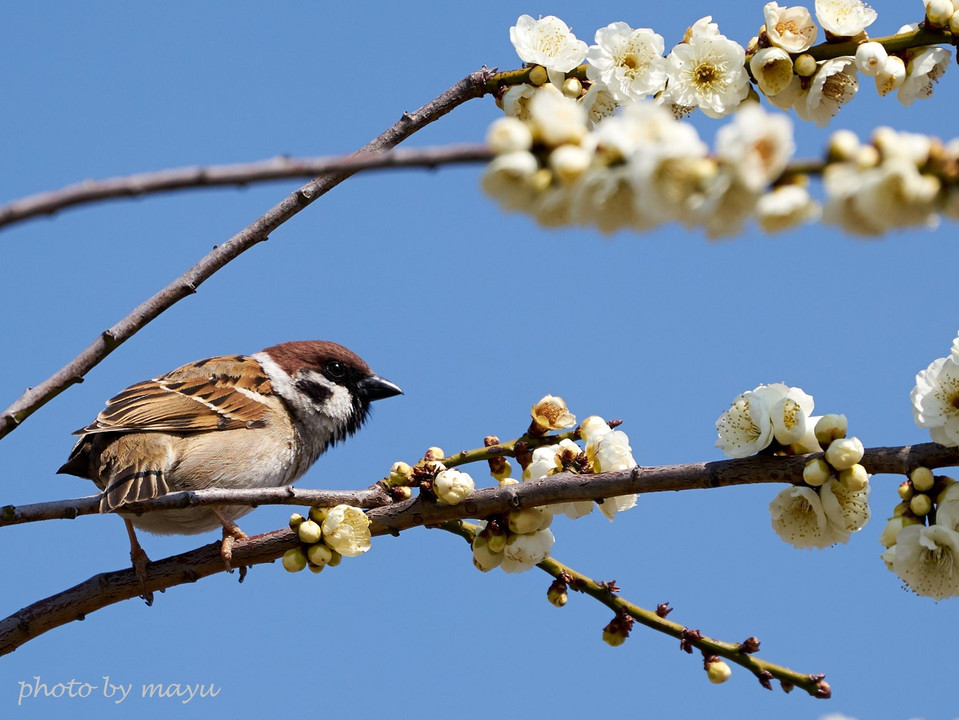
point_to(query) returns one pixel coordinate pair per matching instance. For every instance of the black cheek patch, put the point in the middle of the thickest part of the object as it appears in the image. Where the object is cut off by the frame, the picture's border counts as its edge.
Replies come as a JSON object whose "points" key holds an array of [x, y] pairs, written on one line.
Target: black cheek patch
{"points": [[313, 390]]}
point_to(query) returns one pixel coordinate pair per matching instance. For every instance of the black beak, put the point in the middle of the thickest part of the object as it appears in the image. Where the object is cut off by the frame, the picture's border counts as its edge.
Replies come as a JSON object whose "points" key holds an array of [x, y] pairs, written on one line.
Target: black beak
{"points": [[376, 388]]}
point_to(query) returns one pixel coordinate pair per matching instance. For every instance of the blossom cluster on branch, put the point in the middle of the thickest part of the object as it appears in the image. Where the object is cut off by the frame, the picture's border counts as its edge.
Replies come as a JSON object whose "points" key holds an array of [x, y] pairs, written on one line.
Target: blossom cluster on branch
{"points": [[600, 145]]}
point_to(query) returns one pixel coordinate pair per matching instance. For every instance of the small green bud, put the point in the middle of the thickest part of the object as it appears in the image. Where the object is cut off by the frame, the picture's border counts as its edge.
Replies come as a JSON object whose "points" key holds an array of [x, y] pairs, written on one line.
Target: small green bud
{"points": [[335, 560], [805, 65], [315, 569], [854, 478], [558, 593], [816, 472], [319, 554], [922, 479], [295, 520], [318, 514], [921, 504], [613, 638], [718, 671], [400, 474], [309, 532], [906, 491], [831, 427], [572, 88], [537, 76], [294, 560]]}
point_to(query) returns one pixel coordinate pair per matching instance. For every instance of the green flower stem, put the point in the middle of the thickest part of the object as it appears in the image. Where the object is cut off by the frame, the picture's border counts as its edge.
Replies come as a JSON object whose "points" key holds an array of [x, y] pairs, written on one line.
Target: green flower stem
{"points": [[506, 449], [762, 669]]}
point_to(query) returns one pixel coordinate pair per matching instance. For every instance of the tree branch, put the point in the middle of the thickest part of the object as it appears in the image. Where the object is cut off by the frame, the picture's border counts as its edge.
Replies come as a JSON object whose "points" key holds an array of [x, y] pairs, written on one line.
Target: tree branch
{"points": [[560, 488], [472, 86], [278, 168]]}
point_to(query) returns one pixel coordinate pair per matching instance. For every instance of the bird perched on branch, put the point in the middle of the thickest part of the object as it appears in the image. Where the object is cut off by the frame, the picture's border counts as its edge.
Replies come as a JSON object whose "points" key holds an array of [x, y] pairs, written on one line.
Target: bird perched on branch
{"points": [[233, 421]]}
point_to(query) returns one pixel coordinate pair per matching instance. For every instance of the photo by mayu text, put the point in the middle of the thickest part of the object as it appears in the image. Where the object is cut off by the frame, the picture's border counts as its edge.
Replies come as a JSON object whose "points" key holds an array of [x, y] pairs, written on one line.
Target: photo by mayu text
{"points": [[107, 688]]}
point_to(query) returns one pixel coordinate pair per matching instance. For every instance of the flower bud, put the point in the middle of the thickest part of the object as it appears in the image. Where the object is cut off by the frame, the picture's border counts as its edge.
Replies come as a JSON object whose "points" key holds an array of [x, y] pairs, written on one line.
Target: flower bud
{"points": [[295, 520], [902, 508], [572, 88], [892, 75], [568, 162], [402, 493], [527, 520], [844, 453], [318, 514], [502, 472], [400, 474], [507, 134], [537, 76], [947, 490], [870, 58], [558, 593], [613, 636], [816, 472], [922, 479], [497, 542], [434, 453], [854, 478], [718, 671], [833, 426], [294, 560], [315, 569], [453, 486], [336, 559], [843, 146], [954, 23], [921, 504], [805, 65], [906, 491], [309, 532], [939, 12], [319, 554]]}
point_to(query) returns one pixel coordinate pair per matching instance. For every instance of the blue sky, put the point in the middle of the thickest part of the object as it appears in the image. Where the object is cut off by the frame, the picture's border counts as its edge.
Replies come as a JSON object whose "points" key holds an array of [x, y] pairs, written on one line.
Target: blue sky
{"points": [[476, 314]]}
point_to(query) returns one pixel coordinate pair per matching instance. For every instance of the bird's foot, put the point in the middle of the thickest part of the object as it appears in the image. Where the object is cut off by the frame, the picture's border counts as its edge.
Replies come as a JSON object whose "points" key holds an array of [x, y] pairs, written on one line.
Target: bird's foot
{"points": [[140, 561], [231, 533]]}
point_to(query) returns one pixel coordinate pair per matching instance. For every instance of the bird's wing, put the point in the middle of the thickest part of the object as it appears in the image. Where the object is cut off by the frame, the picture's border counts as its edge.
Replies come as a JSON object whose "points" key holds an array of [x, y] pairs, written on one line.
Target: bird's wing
{"points": [[220, 393]]}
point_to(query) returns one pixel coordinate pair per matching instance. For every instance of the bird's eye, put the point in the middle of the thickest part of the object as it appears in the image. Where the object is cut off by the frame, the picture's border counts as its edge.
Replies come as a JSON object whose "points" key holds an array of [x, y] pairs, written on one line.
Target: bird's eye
{"points": [[335, 370]]}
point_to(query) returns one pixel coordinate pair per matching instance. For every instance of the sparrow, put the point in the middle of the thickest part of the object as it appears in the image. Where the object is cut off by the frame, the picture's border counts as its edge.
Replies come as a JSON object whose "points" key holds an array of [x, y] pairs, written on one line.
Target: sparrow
{"points": [[232, 421]]}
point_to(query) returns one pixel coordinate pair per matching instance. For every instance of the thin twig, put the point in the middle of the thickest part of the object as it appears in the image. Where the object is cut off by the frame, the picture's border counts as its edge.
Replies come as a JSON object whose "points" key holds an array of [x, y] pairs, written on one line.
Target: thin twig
{"points": [[739, 653], [472, 86], [279, 168], [560, 488]]}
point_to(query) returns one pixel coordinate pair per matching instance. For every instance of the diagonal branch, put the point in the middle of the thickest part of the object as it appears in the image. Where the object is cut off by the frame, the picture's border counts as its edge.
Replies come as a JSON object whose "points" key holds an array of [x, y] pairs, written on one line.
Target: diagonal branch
{"points": [[560, 488], [472, 86], [278, 168]]}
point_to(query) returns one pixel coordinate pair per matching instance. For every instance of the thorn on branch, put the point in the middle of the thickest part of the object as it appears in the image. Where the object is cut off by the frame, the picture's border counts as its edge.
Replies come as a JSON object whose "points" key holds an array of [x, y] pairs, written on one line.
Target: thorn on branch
{"points": [[609, 586], [663, 609], [749, 645], [765, 679]]}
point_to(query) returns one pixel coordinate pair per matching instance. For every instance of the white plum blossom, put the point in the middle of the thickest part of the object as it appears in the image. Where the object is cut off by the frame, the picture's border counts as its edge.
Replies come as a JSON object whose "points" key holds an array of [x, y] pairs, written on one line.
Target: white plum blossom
{"points": [[608, 451], [548, 42], [628, 62], [935, 400], [891, 76], [516, 101], [757, 144], [788, 409], [745, 428], [844, 18], [522, 552], [913, 147], [346, 529], [598, 102], [786, 207], [790, 28], [833, 85], [844, 452], [773, 69], [847, 511], [799, 519], [708, 71], [922, 72], [927, 560]]}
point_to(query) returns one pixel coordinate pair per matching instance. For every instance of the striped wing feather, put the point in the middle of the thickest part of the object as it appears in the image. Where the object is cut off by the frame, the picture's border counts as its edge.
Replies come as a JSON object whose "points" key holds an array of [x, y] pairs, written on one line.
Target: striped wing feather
{"points": [[205, 395]]}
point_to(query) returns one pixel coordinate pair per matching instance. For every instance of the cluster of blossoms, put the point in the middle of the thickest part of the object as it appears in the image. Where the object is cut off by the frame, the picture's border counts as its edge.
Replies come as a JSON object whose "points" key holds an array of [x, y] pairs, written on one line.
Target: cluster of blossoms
{"points": [[935, 398], [833, 500], [327, 535], [922, 536], [573, 160], [522, 538]]}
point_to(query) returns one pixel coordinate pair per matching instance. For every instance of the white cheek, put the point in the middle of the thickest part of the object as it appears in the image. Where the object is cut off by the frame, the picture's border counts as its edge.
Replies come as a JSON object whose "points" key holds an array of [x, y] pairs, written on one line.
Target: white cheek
{"points": [[339, 405]]}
